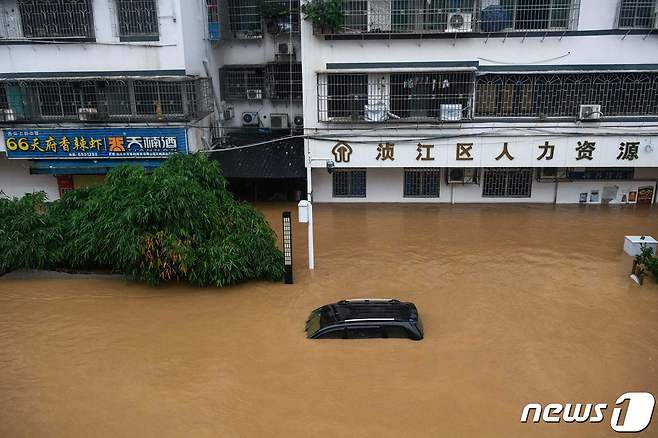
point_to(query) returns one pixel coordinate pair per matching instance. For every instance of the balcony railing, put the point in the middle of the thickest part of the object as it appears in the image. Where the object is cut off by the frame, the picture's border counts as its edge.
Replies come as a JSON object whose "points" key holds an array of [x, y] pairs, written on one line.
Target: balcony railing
{"points": [[93, 100], [251, 19], [275, 81], [432, 97], [454, 16]]}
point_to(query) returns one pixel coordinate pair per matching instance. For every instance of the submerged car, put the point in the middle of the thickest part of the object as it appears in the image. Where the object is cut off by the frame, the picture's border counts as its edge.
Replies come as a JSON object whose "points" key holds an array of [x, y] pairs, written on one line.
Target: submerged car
{"points": [[365, 318]]}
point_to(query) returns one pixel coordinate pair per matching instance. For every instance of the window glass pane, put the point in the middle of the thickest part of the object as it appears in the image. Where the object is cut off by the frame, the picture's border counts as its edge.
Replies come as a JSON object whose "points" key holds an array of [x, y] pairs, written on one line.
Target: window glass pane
{"points": [[364, 333], [56, 18], [349, 183], [423, 183], [347, 95], [507, 183]]}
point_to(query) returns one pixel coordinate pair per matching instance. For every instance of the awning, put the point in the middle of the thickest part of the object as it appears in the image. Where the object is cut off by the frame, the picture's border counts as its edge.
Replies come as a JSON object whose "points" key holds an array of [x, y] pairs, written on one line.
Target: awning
{"points": [[280, 159], [86, 167]]}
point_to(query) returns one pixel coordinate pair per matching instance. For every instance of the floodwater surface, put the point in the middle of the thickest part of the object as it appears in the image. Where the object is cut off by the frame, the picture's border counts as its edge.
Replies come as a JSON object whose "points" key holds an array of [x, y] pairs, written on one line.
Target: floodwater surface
{"points": [[520, 304]]}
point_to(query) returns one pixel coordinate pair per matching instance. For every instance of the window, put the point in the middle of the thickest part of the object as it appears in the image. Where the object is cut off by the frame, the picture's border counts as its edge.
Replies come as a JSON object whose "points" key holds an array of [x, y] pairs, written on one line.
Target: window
{"points": [[507, 183], [539, 14], [236, 80], [343, 96], [56, 18], [284, 81], [333, 334], [137, 18], [349, 183], [364, 332], [393, 331], [245, 19], [560, 95], [422, 183], [637, 14]]}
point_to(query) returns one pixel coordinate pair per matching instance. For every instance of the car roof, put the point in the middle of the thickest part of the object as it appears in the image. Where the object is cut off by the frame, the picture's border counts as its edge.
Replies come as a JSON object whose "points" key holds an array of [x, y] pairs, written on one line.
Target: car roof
{"points": [[368, 310]]}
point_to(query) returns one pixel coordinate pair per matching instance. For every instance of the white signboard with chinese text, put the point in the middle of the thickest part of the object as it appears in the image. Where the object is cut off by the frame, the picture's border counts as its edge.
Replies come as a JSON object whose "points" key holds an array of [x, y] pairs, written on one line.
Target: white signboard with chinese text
{"points": [[537, 151]]}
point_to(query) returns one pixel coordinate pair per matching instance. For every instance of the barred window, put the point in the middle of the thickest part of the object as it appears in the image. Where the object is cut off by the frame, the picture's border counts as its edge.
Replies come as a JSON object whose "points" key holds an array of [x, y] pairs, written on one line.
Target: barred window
{"points": [[425, 95], [159, 98], [637, 14], [560, 95], [137, 18], [349, 183], [284, 81], [56, 18], [236, 81], [422, 183], [245, 19], [507, 183], [346, 95], [539, 14]]}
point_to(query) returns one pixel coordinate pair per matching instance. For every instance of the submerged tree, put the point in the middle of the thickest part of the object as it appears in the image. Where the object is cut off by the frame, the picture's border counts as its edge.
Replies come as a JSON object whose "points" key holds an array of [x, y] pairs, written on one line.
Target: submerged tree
{"points": [[177, 223]]}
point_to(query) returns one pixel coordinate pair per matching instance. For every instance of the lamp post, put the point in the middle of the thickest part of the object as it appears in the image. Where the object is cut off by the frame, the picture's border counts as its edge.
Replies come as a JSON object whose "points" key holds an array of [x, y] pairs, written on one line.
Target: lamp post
{"points": [[306, 207]]}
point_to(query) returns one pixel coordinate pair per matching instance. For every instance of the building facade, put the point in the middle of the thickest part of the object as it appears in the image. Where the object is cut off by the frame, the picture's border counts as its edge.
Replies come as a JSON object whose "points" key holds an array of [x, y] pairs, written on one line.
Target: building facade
{"points": [[551, 101], [86, 85]]}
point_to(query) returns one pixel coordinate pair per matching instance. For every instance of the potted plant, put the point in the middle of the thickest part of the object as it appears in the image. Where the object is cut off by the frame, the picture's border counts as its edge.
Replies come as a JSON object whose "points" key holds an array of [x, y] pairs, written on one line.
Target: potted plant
{"points": [[327, 16], [273, 12]]}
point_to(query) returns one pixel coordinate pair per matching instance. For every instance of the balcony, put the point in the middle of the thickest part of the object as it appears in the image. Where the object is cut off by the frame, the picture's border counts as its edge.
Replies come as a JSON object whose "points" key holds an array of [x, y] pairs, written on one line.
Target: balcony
{"points": [[105, 100], [251, 19], [450, 96], [455, 16], [274, 81]]}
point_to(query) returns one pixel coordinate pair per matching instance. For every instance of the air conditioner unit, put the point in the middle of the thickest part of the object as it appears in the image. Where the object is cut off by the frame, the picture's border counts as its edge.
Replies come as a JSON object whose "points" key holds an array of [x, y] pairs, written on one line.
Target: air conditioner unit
{"points": [[451, 112], [298, 121], [250, 119], [279, 121], [285, 49], [459, 22], [590, 112], [462, 175], [7, 115], [86, 114], [552, 173], [255, 94]]}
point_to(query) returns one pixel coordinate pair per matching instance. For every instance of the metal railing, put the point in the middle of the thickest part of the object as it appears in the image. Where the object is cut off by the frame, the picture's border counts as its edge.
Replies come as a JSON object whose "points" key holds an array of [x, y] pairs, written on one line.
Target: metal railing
{"points": [[452, 16], [90, 100], [52, 19], [137, 18], [454, 96], [391, 97], [638, 14], [249, 18], [560, 95], [275, 81]]}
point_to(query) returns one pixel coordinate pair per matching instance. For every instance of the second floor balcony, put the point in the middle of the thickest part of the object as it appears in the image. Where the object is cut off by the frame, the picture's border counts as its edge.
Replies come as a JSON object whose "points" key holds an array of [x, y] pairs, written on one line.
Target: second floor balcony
{"points": [[455, 16]]}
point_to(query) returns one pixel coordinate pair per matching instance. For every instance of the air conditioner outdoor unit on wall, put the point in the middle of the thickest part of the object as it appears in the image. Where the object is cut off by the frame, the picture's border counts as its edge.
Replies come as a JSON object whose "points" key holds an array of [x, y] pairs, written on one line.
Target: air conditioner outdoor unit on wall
{"points": [[250, 119], [459, 22], [552, 173], [462, 175], [298, 121], [279, 121], [590, 112], [255, 94]]}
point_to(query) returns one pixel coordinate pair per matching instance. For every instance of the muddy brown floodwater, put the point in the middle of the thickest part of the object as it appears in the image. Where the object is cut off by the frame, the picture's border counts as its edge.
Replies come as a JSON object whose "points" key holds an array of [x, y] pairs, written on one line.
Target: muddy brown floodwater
{"points": [[520, 304]]}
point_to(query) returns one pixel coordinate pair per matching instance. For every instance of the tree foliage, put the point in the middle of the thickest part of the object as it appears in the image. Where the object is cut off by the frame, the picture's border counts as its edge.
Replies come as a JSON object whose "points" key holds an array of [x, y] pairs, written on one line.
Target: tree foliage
{"points": [[177, 223]]}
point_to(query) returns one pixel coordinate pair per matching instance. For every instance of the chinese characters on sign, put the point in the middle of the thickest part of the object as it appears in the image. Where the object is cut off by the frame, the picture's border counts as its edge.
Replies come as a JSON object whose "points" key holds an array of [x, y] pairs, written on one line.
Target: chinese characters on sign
{"points": [[95, 143], [586, 150]]}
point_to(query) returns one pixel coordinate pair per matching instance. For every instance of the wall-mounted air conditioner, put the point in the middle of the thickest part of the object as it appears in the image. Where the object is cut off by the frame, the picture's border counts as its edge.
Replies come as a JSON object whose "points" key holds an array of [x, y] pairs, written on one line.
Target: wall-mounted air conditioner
{"points": [[255, 94], [590, 112], [7, 115], [279, 121], [451, 112], [250, 118], [462, 175], [298, 121], [284, 49], [552, 174], [86, 114], [459, 22]]}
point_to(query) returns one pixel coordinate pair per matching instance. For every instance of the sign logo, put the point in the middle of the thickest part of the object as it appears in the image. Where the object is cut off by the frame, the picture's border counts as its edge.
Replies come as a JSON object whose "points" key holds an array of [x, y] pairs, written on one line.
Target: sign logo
{"points": [[342, 152], [636, 418]]}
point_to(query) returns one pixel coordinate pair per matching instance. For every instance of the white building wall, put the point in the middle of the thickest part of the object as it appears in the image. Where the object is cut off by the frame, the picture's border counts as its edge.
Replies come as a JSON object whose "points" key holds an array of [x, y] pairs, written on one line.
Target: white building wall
{"points": [[16, 181]]}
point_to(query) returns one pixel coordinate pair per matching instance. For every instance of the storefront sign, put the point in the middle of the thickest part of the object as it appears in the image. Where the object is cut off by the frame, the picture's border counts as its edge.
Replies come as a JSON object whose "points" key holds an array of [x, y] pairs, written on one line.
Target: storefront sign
{"points": [[119, 143], [536, 151]]}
